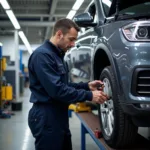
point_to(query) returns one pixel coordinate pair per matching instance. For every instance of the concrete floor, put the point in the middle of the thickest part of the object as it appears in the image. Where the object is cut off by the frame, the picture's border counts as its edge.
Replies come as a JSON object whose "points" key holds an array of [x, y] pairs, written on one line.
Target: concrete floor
{"points": [[15, 134]]}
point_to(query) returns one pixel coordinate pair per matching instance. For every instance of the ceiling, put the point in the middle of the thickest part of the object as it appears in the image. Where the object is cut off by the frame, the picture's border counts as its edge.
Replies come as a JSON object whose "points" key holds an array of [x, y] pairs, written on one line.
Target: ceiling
{"points": [[37, 17]]}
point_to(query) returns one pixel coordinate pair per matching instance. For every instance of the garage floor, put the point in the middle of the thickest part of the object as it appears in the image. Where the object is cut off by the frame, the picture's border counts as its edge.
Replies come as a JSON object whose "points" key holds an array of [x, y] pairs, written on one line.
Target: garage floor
{"points": [[15, 134]]}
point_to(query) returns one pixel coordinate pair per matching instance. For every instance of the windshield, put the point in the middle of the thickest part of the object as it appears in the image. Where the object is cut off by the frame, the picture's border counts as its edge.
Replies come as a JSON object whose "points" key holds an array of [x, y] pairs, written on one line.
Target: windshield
{"points": [[140, 7], [131, 7]]}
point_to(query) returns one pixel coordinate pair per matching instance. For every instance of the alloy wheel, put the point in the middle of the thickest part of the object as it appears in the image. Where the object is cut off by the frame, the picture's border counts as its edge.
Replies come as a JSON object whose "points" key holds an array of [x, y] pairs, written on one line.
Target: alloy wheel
{"points": [[107, 109]]}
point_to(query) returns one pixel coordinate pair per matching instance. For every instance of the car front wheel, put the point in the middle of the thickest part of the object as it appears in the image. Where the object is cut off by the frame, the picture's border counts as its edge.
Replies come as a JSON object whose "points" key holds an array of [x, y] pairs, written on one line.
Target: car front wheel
{"points": [[117, 128]]}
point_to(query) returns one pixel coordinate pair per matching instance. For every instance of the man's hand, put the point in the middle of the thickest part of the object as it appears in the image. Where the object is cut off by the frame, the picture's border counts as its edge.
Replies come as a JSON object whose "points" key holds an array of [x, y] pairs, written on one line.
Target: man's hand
{"points": [[93, 85], [99, 97]]}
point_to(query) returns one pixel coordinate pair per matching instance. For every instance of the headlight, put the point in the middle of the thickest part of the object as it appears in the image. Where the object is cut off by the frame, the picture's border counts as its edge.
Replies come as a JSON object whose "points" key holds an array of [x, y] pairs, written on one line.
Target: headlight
{"points": [[139, 31]]}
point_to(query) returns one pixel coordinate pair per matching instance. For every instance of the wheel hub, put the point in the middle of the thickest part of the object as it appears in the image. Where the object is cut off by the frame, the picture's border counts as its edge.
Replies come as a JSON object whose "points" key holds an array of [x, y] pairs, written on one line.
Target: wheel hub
{"points": [[107, 110]]}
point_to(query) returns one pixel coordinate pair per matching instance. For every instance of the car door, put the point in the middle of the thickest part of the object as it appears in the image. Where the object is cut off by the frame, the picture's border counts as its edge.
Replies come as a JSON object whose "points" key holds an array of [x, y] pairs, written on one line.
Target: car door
{"points": [[81, 58], [101, 31]]}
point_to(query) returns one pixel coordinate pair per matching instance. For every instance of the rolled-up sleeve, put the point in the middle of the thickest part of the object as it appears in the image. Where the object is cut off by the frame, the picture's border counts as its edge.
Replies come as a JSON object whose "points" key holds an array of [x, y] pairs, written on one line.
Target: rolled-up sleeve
{"points": [[50, 79]]}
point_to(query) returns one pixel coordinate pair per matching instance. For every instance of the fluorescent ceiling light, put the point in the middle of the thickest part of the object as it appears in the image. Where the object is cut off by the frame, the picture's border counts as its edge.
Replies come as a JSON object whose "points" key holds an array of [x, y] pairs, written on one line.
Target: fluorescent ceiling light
{"points": [[13, 19], [15, 23], [1, 44], [5, 4], [71, 14], [25, 41], [77, 4]]}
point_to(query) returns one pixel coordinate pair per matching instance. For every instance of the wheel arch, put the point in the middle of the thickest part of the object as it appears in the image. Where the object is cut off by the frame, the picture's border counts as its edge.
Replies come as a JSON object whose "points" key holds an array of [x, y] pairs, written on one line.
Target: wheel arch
{"points": [[102, 59]]}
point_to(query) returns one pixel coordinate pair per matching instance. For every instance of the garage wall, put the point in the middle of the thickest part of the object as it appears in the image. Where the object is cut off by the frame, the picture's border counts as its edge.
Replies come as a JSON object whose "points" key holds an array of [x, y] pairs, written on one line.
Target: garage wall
{"points": [[11, 49], [8, 46], [8, 49], [25, 58], [25, 53]]}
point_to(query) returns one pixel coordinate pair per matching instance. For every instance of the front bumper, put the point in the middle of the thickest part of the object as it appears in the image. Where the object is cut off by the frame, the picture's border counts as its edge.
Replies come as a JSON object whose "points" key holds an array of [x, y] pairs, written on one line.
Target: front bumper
{"points": [[135, 110], [140, 117]]}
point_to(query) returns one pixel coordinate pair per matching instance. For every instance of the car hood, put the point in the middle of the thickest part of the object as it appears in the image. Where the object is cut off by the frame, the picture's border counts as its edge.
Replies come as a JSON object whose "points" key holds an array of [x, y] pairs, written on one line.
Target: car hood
{"points": [[118, 5]]}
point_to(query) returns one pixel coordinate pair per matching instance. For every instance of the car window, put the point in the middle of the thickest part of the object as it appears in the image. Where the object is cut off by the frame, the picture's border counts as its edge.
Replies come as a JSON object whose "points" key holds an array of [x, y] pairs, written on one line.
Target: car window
{"points": [[106, 6], [92, 11]]}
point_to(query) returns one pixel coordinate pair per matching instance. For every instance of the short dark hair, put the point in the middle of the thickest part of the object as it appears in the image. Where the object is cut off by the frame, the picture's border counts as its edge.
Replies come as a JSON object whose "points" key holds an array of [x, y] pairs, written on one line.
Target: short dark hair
{"points": [[64, 25]]}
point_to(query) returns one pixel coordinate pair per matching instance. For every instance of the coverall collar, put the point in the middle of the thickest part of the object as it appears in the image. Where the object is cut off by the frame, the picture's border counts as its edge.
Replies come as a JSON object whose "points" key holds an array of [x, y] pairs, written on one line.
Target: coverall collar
{"points": [[59, 51]]}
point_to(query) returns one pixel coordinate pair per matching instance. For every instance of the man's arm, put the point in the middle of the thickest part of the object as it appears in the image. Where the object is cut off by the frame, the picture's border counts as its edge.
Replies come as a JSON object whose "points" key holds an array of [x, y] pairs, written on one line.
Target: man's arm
{"points": [[50, 80], [80, 85]]}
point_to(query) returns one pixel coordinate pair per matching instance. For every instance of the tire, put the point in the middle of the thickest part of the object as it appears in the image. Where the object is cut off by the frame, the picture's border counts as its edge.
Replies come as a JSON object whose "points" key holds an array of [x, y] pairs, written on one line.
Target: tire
{"points": [[119, 132]]}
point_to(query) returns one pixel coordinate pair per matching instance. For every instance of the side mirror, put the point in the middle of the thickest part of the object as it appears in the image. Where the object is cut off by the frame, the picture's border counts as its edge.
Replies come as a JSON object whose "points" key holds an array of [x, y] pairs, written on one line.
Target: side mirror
{"points": [[84, 20]]}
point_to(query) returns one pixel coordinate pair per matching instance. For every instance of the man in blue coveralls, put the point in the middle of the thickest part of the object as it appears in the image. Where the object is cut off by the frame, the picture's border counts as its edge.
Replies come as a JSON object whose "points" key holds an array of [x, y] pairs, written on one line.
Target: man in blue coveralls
{"points": [[51, 94]]}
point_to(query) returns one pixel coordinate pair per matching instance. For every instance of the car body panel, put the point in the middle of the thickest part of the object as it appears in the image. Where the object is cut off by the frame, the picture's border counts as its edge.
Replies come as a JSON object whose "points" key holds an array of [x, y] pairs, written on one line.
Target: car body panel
{"points": [[124, 56]]}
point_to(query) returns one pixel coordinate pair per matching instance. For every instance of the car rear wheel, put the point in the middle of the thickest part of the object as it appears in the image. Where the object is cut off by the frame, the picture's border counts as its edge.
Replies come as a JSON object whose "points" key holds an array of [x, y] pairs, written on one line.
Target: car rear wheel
{"points": [[117, 128]]}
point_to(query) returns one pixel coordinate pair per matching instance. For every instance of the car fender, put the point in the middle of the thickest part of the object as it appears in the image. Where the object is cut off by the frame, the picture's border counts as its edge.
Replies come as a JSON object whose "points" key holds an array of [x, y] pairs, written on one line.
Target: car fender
{"points": [[112, 63]]}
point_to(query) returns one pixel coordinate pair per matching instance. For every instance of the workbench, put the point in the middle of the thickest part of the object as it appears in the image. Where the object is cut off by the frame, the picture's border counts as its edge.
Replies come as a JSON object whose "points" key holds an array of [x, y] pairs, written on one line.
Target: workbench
{"points": [[90, 122]]}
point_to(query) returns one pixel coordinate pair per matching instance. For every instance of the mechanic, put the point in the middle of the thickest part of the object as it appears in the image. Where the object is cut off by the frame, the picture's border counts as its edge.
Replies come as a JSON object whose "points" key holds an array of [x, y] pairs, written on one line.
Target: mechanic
{"points": [[51, 94]]}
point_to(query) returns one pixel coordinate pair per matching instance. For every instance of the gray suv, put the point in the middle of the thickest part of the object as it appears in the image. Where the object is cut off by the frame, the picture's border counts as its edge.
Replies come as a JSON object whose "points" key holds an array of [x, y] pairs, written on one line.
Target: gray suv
{"points": [[114, 46]]}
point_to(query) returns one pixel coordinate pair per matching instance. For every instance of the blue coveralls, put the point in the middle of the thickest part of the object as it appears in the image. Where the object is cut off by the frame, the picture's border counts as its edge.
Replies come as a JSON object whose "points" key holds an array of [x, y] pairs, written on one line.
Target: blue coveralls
{"points": [[51, 94]]}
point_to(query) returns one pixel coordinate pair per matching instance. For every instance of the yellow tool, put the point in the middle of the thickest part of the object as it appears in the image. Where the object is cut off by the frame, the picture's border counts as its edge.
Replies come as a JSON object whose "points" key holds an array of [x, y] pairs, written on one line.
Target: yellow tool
{"points": [[7, 93], [80, 107], [3, 64], [6, 90]]}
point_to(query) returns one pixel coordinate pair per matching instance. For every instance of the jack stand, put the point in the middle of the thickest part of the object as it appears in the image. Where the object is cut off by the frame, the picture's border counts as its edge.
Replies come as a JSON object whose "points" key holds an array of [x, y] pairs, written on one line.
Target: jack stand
{"points": [[80, 107]]}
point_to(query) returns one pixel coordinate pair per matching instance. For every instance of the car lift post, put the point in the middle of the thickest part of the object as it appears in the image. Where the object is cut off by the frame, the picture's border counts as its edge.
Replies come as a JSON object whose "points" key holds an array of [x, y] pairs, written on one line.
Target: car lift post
{"points": [[83, 133], [90, 124], [86, 129]]}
